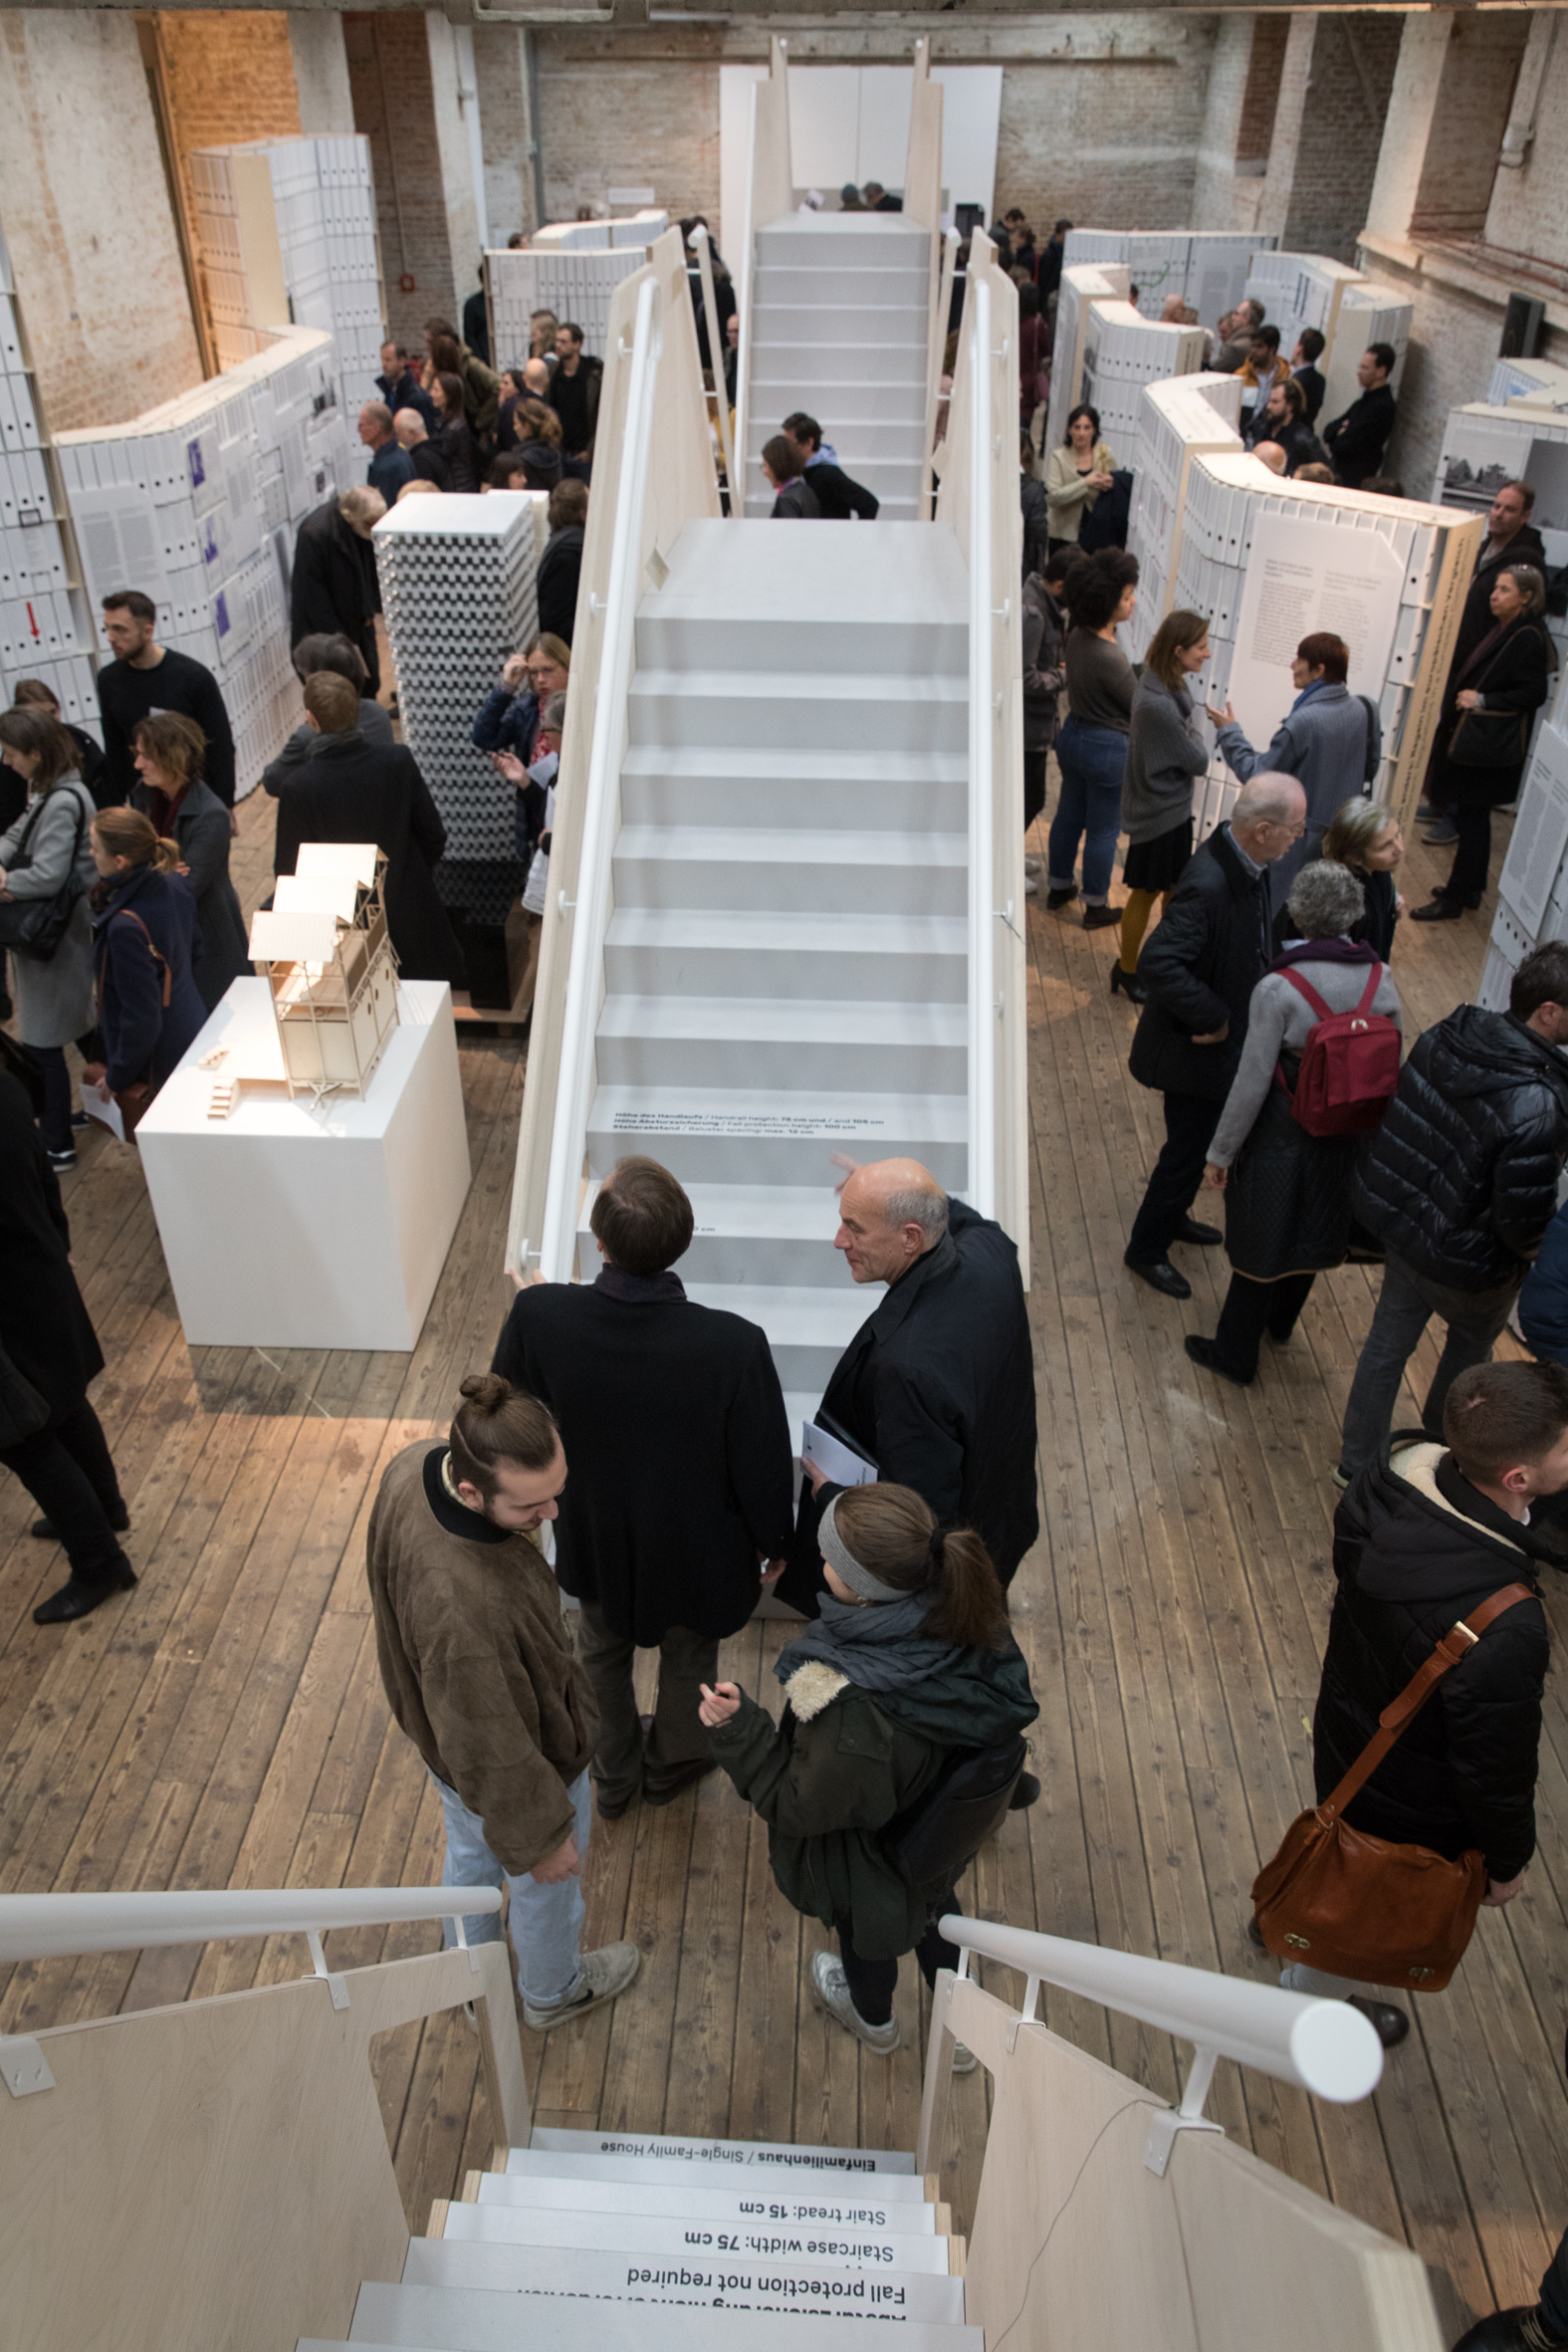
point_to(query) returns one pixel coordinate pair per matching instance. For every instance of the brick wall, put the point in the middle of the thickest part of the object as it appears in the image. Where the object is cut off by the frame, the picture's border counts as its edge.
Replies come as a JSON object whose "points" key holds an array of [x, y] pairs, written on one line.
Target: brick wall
{"points": [[394, 108], [95, 257], [1222, 200], [1347, 99], [1255, 133], [227, 76], [1110, 142], [611, 117]]}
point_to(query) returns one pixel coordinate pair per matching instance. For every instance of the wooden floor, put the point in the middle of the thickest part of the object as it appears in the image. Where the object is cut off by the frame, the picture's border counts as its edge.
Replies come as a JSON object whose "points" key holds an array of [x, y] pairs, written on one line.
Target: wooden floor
{"points": [[225, 1725]]}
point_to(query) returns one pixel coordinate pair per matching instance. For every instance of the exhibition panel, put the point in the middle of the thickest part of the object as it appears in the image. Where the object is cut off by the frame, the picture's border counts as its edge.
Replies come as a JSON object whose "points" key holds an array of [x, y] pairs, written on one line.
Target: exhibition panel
{"points": [[1178, 420], [1207, 268], [1086, 283]]}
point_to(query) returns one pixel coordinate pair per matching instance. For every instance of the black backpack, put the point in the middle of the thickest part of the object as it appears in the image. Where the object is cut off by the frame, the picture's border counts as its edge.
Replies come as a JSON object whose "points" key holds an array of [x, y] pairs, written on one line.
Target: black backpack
{"points": [[943, 1829]]}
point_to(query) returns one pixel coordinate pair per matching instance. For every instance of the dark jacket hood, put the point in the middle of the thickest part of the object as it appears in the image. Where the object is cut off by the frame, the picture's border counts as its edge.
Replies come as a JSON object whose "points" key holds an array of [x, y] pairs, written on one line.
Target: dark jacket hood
{"points": [[1477, 1054], [979, 1698], [1426, 1537]]}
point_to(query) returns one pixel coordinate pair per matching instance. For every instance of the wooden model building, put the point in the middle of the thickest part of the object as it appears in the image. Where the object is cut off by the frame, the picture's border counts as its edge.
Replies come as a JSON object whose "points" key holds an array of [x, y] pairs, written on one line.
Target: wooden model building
{"points": [[324, 950]]}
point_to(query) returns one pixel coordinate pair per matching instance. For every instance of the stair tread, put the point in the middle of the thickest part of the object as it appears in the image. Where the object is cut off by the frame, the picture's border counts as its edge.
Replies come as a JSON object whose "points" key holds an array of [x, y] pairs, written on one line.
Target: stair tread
{"points": [[850, 2206], [836, 571], [488, 2319], [771, 1112], [795, 1315], [822, 1021], [752, 685], [781, 766], [817, 2289], [803, 2156], [654, 927], [595, 2164], [791, 845], [524, 2227]]}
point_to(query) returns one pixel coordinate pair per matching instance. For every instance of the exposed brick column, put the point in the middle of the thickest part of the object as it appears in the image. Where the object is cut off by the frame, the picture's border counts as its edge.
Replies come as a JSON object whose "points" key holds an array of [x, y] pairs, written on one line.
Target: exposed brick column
{"points": [[405, 84]]}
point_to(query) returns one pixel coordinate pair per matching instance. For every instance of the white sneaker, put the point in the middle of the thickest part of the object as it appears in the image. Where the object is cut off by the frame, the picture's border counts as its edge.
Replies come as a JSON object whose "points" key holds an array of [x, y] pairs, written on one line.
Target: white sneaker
{"points": [[606, 1974], [964, 2059], [1031, 865], [830, 1992], [1031, 886]]}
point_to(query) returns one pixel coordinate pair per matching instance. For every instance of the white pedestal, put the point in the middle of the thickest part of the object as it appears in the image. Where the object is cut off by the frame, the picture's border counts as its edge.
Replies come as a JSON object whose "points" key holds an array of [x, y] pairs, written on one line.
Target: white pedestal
{"points": [[288, 1225]]}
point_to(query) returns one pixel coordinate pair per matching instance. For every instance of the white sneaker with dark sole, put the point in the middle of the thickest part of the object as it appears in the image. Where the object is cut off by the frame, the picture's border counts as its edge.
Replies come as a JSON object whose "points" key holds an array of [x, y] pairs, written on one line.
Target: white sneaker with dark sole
{"points": [[830, 1992], [606, 1974], [964, 2058]]}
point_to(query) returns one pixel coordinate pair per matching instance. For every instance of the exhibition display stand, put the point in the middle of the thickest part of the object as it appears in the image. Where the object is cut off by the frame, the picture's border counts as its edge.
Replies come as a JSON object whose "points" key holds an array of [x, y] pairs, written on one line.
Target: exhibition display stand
{"points": [[291, 1224]]}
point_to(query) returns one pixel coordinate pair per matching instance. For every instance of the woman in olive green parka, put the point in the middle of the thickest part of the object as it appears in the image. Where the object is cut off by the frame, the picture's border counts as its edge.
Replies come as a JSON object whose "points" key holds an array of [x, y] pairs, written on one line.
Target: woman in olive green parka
{"points": [[910, 1661]]}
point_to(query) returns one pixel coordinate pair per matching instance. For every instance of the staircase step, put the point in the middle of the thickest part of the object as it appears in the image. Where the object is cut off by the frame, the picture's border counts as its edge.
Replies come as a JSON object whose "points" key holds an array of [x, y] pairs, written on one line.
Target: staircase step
{"points": [[914, 959], [812, 326], [812, 368], [857, 443], [758, 504], [780, 395], [858, 711], [723, 1136], [826, 241], [479, 2319], [854, 2206], [852, 2246], [808, 2289], [779, 1234], [722, 2156], [561, 2164], [784, 1042], [888, 642], [804, 870], [831, 289], [807, 1329], [885, 792]]}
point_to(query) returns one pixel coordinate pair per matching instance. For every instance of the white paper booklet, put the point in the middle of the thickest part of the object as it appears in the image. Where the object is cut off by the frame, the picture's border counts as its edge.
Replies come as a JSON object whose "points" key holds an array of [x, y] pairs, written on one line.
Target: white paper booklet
{"points": [[839, 1465]]}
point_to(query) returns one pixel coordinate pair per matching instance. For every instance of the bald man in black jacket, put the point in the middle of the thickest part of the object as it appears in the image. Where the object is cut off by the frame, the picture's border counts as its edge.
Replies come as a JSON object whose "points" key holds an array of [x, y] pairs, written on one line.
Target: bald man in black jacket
{"points": [[937, 1387]]}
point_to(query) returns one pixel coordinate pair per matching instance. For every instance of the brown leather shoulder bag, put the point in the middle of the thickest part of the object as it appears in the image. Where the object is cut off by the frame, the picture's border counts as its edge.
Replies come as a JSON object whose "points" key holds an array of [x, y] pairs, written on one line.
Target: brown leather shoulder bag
{"points": [[1359, 1906]]}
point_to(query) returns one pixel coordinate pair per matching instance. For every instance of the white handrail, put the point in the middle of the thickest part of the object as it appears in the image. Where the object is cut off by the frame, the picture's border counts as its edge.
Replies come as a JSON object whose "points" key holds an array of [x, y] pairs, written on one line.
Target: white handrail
{"points": [[591, 909], [743, 304], [982, 1187], [44, 1927], [938, 346], [1322, 2046], [716, 356]]}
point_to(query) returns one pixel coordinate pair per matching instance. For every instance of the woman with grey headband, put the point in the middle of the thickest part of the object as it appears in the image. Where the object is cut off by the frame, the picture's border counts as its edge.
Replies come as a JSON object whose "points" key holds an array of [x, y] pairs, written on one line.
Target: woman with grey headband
{"points": [[910, 1663]]}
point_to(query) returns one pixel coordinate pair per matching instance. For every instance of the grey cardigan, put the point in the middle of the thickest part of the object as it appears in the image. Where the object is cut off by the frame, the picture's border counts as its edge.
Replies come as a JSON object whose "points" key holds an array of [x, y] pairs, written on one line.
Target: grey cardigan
{"points": [[53, 998], [1282, 1019], [1164, 757]]}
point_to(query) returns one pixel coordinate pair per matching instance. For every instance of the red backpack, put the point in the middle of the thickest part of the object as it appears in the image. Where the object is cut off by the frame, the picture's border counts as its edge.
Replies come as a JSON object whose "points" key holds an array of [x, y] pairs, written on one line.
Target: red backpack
{"points": [[1349, 1063]]}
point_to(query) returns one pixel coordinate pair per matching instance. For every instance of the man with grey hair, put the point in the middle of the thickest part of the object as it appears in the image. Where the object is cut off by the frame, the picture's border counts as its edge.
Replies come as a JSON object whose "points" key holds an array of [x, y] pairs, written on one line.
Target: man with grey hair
{"points": [[428, 457], [1200, 966], [391, 464], [937, 1387], [334, 590]]}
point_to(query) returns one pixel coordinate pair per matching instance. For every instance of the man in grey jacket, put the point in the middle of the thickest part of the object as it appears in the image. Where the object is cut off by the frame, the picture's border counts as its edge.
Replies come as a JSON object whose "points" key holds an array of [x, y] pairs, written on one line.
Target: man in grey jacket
{"points": [[1330, 740]]}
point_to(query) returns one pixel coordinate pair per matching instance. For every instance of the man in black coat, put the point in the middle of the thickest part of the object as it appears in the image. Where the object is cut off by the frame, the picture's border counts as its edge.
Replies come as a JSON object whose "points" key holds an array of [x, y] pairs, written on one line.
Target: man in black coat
{"points": [[678, 1504], [1459, 1183], [1304, 368], [352, 790], [937, 1387], [1419, 1542], [560, 566], [429, 458], [1356, 441], [335, 590], [46, 1340], [1200, 966], [1511, 538], [839, 496]]}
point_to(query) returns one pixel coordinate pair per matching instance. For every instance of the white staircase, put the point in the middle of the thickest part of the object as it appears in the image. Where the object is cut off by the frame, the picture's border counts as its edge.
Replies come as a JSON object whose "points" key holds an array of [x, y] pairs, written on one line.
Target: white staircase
{"points": [[839, 328], [785, 968], [680, 2245]]}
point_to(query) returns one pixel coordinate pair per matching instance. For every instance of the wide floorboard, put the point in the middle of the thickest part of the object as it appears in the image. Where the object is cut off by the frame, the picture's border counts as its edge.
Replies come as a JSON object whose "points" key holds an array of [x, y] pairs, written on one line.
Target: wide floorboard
{"points": [[225, 1725]]}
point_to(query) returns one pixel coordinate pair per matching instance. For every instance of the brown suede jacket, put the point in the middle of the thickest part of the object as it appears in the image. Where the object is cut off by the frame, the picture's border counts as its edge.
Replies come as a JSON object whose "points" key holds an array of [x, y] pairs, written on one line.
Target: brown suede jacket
{"points": [[476, 1659]]}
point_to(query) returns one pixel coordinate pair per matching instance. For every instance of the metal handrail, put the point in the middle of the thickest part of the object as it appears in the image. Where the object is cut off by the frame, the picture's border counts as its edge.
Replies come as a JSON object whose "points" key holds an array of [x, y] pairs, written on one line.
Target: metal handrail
{"points": [[981, 1188], [45, 1926], [1322, 2046], [591, 909]]}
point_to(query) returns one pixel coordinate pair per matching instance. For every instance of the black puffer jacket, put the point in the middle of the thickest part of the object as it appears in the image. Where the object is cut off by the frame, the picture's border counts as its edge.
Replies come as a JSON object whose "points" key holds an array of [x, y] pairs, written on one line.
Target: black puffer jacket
{"points": [[1416, 1547], [1208, 952], [1461, 1179]]}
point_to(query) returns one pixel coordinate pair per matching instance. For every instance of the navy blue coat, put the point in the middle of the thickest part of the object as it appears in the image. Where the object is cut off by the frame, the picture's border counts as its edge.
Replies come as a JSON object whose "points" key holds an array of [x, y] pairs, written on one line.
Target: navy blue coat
{"points": [[144, 1038], [507, 722], [1543, 1302]]}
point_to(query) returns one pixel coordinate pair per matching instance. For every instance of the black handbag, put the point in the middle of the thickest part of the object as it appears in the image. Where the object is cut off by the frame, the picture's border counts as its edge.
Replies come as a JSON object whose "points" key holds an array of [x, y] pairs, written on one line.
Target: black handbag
{"points": [[35, 927], [1490, 738], [942, 1830], [23, 1411]]}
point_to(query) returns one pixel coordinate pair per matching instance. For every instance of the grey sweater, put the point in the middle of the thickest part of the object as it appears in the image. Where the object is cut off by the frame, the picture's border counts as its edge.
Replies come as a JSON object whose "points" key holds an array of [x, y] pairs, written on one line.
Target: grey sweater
{"points": [[1280, 1021], [1164, 756], [1099, 681]]}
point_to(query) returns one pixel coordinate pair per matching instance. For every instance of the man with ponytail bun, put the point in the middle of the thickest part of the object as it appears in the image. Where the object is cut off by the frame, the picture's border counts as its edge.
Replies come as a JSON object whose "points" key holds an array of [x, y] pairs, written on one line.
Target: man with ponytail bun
{"points": [[479, 1671], [937, 1387], [909, 1670]]}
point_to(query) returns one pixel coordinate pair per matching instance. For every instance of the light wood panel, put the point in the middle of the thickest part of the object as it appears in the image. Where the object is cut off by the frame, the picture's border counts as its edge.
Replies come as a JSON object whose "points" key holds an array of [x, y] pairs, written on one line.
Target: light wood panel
{"points": [[225, 1723]]}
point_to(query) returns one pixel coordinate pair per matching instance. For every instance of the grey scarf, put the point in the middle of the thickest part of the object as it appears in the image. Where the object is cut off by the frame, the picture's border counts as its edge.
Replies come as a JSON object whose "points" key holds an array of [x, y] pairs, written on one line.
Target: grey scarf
{"points": [[878, 1648]]}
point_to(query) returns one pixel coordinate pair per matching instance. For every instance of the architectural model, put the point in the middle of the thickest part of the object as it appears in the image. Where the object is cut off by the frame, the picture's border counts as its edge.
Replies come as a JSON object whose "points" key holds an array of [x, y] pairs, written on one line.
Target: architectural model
{"points": [[325, 953]]}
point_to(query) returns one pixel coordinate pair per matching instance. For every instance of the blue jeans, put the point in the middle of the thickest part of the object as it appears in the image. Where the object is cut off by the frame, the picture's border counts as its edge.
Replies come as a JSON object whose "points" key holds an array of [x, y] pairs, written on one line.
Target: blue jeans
{"points": [[546, 1921], [1091, 760]]}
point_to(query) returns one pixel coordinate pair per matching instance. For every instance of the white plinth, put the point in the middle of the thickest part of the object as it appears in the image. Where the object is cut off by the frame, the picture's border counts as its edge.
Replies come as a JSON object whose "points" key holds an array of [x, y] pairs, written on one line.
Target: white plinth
{"points": [[284, 1226]]}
